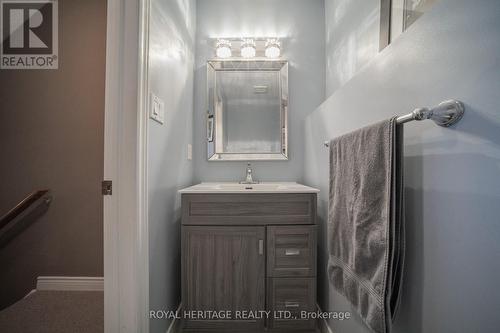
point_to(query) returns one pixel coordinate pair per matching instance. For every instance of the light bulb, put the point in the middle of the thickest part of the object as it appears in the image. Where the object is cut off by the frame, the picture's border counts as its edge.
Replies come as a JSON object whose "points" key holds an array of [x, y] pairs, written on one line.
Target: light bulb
{"points": [[273, 49], [223, 48], [248, 49]]}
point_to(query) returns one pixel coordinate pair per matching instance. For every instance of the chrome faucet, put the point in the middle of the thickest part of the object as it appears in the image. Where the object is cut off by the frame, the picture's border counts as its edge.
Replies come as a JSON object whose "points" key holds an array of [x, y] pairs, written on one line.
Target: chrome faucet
{"points": [[249, 179]]}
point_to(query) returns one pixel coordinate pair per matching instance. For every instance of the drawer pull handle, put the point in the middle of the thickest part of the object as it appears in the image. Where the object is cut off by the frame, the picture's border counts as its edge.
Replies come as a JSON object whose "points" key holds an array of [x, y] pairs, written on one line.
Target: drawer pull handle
{"points": [[261, 246], [291, 304], [292, 252]]}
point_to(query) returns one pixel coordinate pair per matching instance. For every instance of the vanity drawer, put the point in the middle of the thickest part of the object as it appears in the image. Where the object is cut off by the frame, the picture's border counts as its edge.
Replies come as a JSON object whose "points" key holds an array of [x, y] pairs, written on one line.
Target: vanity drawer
{"points": [[291, 251], [249, 209], [293, 295]]}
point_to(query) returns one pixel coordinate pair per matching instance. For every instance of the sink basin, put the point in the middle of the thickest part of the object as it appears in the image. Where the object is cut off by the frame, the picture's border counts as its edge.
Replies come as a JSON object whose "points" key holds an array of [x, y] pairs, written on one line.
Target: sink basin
{"points": [[285, 187]]}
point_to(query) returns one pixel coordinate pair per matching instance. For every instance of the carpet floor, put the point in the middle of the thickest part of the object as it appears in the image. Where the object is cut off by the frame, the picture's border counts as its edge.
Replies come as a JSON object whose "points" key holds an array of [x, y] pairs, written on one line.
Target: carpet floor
{"points": [[55, 312]]}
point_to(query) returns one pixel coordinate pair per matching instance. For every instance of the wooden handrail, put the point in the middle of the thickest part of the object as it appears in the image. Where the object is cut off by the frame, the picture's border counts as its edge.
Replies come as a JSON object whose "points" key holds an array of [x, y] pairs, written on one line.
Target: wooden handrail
{"points": [[21, 206], [23, 214]]}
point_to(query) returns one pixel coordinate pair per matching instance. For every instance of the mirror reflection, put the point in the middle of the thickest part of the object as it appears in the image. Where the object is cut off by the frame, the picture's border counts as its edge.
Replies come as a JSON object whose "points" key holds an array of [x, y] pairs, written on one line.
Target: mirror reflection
{"points": [[247, 111]]}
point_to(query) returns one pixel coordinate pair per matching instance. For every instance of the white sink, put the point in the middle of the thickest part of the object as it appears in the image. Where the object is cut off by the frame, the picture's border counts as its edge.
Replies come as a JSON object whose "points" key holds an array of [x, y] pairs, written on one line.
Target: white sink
{"points": [[285, 187]]}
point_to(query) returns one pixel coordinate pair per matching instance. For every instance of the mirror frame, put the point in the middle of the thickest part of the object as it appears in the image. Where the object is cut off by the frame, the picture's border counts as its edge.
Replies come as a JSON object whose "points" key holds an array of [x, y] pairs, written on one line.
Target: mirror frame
{"points": [[214, 152]]}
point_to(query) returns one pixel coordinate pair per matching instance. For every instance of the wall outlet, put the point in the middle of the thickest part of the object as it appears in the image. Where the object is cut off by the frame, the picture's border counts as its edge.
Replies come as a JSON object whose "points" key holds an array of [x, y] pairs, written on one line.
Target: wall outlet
{"points": [[190, 152], [157, 109]]}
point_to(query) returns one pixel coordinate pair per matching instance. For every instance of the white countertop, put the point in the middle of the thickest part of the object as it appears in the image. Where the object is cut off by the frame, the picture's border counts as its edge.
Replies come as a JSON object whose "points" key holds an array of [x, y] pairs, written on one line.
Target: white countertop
{"points": [[264, 187]]}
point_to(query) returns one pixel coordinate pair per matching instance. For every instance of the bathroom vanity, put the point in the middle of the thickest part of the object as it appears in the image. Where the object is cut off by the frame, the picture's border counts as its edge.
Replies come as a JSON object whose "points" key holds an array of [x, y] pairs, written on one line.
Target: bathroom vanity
{"points": [[247, 249]]}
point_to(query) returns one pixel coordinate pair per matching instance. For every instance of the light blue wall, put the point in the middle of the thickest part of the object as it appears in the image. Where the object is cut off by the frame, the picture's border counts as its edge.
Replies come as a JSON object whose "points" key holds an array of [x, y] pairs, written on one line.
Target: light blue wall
{"points": [[171, 51], [452, 175], [301, 25], [352, 31]]}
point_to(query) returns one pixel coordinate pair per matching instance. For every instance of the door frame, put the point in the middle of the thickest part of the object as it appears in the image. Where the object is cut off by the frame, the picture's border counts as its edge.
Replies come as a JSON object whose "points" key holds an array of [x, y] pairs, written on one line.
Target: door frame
{"points": [[126, 241]]}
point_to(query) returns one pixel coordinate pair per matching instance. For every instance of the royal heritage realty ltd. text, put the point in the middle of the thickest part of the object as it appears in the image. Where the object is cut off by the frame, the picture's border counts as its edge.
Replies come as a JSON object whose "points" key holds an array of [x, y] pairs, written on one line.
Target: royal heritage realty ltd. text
{"points": [[247, 315]]}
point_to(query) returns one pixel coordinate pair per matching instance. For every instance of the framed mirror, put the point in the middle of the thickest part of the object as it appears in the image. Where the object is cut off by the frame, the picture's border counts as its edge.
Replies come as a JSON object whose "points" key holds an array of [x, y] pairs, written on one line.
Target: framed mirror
{"points": [[247, 114], [398, 15]]}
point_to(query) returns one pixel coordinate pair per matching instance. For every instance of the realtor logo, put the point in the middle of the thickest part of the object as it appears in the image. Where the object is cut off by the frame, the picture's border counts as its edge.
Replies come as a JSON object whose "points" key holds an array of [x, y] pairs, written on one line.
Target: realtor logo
{"points": [[29, 34]]}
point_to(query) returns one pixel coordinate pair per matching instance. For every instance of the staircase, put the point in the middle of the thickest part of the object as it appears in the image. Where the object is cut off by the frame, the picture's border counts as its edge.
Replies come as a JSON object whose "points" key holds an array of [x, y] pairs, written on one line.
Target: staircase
{"points": [[51, 311], [78, 307]]}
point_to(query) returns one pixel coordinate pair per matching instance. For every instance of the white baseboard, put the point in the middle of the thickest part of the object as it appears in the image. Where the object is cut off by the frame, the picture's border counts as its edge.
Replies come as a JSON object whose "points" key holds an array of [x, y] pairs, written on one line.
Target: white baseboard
{"points": [[30, 293], [76, 283], [323, 324], [174, 325]]}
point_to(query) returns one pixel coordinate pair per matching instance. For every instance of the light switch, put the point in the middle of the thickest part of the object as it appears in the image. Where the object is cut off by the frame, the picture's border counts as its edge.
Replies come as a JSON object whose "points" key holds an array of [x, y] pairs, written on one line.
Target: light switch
{"points": [[190, 152], [157, 111]]}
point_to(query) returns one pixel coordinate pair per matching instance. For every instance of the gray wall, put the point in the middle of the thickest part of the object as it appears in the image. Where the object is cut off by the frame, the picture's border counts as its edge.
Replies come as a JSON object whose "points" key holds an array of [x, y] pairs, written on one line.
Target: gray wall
{"points": [[352, 31], [51, 136], [452, 175], [300, 23], [171, 52]]}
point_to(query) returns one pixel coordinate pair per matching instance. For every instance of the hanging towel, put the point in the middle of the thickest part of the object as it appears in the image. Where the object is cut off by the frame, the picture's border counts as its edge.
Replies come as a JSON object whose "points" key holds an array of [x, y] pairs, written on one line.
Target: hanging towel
{"points": [[366, 221]]}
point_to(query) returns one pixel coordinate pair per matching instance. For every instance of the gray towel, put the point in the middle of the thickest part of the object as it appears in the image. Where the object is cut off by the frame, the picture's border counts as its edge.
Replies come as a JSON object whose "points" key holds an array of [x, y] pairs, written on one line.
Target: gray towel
{"points": [[366, 221]]}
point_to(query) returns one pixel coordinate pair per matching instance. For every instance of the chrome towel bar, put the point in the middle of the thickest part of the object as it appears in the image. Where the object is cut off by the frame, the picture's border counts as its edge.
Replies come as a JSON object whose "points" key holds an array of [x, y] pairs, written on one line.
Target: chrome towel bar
{"points": [[445, 114]]}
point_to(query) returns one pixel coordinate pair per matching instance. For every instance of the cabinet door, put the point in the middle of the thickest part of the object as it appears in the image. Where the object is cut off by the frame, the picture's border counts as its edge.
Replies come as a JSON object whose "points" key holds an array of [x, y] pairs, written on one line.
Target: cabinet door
{"points": [[223, 270]]}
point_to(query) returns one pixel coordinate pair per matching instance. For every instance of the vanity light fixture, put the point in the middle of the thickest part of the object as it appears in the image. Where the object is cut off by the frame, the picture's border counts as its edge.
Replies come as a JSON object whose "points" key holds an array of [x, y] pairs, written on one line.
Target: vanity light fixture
{"points": [[223, 48], [248, 48], [273, 48]]}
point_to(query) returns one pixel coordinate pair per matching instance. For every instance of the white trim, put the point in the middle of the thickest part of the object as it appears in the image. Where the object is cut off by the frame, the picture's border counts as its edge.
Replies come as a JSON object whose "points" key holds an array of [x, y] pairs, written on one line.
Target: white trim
{"points": [[173, 327], [112, 119], [323, 324], [30, 293], [82, 283], [142, 163], [126, 274]]}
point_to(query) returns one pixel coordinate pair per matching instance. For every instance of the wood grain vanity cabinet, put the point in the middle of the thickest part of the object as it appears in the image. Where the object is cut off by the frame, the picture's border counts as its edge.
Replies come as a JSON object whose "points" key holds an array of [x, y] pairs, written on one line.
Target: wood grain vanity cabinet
{"points": [[249, 252]]}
